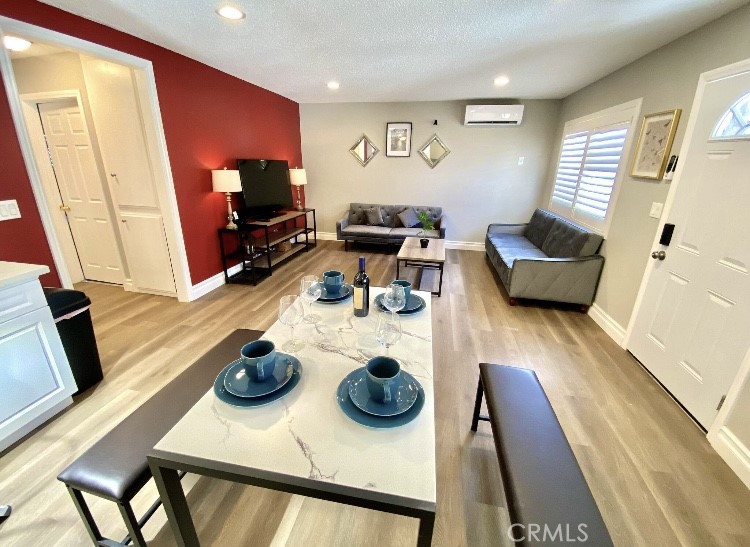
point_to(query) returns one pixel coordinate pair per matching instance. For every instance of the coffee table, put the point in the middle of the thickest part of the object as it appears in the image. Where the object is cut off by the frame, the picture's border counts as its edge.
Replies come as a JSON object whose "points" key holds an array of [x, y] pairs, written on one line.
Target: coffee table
{"points": [[432, 257], [303, 443]]}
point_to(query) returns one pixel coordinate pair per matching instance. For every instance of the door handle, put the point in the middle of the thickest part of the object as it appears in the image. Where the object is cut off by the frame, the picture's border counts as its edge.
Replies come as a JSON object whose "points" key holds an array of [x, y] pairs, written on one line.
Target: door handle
{"points": [[65, 208], [123, 220], [658, 255]]}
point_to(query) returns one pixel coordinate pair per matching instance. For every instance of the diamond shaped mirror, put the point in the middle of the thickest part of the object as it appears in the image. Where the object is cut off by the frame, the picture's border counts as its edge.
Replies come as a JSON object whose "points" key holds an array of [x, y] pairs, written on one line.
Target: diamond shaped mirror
{"points": [[434, 151], [364, 150]]}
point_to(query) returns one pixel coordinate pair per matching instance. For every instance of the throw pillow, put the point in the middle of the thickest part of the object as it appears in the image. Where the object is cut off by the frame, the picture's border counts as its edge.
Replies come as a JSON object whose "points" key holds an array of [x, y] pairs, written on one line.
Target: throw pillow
{"points": [[408, 218], [374, 216]]}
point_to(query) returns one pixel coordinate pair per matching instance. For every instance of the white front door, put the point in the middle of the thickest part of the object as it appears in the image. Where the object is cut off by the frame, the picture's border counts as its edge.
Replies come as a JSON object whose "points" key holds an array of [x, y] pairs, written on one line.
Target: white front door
{"points": [[692, 329], [81, 190]]}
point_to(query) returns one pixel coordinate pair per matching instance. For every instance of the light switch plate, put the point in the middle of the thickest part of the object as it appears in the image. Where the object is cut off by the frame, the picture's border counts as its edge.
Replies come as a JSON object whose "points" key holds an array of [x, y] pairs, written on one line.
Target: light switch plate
{"points": [[656, 209], [9, 210], [521, 159]]}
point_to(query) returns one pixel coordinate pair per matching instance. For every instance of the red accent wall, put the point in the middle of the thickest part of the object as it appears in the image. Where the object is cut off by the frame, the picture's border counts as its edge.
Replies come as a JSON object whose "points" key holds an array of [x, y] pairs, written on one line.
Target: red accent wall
{"points": [[210, 119]]}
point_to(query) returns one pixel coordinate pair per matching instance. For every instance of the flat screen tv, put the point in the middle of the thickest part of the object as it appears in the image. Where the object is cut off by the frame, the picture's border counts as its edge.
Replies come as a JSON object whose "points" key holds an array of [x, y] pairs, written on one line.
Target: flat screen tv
{"points": [[265, 187]]}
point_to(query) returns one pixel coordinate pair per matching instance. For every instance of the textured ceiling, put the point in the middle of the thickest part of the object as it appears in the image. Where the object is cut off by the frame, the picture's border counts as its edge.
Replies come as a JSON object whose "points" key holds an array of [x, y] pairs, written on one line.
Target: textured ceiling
{"points": [[410, 50]]}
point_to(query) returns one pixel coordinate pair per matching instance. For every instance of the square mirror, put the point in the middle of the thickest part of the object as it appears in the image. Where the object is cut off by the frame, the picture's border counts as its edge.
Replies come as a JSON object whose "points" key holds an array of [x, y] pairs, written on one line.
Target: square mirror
{"points": [[434, 151], [364, 150]]}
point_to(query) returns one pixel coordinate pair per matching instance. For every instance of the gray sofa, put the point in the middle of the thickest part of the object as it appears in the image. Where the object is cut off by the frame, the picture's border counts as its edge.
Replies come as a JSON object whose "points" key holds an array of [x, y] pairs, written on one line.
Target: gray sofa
{"points": [[549, 258], [353, 225]]}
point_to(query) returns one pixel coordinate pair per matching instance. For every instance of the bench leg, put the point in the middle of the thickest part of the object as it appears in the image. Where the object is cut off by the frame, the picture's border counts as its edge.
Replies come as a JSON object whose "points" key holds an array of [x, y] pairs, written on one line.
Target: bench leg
{"points": [[134, 528], [85, 513], [477, 405]]}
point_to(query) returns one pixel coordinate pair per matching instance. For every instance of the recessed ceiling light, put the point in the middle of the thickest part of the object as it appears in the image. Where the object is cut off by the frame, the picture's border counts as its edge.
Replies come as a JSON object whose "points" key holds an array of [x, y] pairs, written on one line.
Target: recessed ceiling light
{"points": [[502, 81], [333, 85], [14, 43], [230, 12]]}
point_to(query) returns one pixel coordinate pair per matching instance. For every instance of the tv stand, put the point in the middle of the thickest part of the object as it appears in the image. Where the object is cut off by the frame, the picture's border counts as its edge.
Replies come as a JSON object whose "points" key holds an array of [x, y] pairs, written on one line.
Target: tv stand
{"points": [[258, 241]]}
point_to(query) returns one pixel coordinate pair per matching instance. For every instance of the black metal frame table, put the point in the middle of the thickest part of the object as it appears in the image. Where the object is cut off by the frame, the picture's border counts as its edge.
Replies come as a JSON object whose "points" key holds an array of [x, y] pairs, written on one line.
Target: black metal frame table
{"points": [[432, 257], [305, 443]]}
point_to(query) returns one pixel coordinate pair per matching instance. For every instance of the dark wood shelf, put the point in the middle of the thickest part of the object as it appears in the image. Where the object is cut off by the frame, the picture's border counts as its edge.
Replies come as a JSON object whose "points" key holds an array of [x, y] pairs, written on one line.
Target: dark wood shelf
{"points": [[285, 235], [280, 256]]}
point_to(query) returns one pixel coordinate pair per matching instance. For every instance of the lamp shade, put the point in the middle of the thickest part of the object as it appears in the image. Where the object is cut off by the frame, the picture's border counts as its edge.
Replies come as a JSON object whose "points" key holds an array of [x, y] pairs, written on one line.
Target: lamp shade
{"points": [[298, 177], [226, 180]]}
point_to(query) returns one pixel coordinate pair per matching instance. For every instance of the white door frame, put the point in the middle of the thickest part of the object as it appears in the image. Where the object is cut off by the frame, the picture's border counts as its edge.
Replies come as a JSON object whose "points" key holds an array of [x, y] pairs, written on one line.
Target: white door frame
{"points": [[703, 80], [152, 118]]}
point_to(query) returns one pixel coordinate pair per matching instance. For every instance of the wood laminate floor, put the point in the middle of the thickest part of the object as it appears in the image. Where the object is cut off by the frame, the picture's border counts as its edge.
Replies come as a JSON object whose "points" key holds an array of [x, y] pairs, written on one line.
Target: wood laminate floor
{"points": [[653, 474]]}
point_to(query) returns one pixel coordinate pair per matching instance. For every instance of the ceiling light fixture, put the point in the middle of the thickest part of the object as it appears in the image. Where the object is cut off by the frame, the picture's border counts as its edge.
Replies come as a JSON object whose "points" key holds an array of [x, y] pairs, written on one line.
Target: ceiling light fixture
{"points": [[502, 81], [333, 85], [230, 12], [14, 43]]}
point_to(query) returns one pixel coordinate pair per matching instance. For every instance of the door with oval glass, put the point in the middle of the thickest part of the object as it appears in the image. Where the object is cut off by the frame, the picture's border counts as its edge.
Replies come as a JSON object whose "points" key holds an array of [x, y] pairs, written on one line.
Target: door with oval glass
{"points": [[692, 328]]}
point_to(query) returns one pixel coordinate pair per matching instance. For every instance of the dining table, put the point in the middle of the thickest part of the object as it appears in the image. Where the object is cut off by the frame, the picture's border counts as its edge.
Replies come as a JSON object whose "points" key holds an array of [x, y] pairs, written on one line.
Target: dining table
{"points": [[304, 443]]}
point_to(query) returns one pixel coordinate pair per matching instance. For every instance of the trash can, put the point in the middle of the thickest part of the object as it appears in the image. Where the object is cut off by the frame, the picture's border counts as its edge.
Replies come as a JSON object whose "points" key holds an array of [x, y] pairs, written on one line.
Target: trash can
{"points": [[70, 309]]}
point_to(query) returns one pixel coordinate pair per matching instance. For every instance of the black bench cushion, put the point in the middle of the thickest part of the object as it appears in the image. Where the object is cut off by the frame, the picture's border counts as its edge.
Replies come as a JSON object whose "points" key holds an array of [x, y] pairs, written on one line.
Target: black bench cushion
{"points": [[115, 467], [542, 479]]}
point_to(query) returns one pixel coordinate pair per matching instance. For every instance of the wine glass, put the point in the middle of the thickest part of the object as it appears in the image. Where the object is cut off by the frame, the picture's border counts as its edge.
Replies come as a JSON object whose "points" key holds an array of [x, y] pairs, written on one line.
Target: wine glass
{"points": [[388, 331], [310, 290], [394, 297], [290, 314]]}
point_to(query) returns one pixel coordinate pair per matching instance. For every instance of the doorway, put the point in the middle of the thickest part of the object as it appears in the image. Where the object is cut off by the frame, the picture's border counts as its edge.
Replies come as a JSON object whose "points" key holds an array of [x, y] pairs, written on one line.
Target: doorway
{"points": [[149, 229], [74, 187]]}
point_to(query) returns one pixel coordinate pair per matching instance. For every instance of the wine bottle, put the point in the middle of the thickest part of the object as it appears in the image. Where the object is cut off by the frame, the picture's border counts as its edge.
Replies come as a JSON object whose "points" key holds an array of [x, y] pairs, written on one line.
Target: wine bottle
{"points": [[361, 291]]}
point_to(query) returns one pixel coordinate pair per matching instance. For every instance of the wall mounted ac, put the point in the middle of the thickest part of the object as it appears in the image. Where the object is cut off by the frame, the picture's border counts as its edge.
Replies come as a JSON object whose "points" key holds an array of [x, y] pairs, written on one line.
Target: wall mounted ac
{"points": [[493, 114]]}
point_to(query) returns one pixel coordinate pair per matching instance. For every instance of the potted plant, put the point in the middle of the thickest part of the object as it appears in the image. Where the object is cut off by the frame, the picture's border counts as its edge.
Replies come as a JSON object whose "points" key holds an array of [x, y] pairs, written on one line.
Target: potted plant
{"points": [[427, 224]]}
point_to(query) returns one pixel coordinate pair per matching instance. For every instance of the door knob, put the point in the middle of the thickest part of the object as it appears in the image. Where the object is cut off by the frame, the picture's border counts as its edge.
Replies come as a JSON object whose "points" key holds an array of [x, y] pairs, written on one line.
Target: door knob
{"points": [[658, 255], [123, 220], [65, 208]]}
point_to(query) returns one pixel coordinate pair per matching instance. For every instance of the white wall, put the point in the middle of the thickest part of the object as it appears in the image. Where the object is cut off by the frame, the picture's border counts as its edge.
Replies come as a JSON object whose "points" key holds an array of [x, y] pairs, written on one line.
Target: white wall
{"points": [[666, 79], [478, 183]]}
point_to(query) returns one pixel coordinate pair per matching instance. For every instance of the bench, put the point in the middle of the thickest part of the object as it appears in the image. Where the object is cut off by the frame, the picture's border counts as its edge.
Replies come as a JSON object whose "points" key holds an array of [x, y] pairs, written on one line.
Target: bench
{"points": [[549, 501], [115, 467]]}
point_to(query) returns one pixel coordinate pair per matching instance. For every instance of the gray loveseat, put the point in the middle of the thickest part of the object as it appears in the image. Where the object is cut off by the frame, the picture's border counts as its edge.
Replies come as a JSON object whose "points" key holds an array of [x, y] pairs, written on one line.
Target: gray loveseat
{"points": [[549, 258], [354, 226]]}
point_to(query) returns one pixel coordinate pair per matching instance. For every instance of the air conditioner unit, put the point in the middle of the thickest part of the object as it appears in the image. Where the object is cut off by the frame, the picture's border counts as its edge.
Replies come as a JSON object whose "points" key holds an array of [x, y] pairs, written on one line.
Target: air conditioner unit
{"points": [[493, 114]]}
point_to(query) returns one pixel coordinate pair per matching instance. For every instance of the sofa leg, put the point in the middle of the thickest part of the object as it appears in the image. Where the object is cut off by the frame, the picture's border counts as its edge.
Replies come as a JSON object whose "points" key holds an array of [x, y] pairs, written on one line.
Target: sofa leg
{"points": [[512, 301], [346, 245], [584, 308]]}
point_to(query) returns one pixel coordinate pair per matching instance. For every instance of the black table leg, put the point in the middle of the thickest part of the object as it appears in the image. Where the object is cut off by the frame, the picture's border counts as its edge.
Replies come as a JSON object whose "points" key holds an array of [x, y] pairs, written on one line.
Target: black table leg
{"points": [[426, 526], [175, 505], [477, 406]]}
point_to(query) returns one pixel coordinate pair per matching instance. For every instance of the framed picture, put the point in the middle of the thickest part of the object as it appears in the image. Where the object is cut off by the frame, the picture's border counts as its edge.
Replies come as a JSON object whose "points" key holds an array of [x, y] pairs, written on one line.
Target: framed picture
{"points": [[654, 143], [398, 140]]}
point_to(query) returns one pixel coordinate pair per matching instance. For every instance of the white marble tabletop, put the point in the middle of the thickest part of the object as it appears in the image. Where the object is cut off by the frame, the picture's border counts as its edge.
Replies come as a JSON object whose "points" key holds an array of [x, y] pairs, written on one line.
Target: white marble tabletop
{"points": [[304, 438]]}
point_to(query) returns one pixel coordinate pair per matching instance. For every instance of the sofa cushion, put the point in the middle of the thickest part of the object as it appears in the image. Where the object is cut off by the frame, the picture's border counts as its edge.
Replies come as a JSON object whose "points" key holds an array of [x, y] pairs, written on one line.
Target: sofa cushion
{"points": [[400, 233], [408, 218], [374, 216], [362, 230], [511, 247], [566, 240], [539, 226]]}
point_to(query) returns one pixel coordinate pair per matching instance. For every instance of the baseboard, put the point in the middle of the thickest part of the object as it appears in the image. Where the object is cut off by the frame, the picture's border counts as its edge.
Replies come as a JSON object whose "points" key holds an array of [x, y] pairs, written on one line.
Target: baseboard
{"points": [[210, 284], [608, 325], [733, 452], [462, 245]]}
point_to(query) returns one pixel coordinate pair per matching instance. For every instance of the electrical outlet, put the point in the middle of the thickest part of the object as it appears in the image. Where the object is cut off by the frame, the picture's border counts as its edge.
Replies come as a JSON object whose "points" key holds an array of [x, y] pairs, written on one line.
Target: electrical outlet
{"points": [[9, 210], [656, 209]]}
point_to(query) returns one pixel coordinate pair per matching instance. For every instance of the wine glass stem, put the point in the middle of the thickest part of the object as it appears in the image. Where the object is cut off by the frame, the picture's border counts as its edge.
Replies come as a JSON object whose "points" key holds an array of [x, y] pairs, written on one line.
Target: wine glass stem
{"points": [[292, 327]]}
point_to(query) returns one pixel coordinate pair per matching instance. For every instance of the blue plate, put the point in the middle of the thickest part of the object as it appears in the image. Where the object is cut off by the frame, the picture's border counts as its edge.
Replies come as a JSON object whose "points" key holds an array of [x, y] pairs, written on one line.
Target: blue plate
{"points": [[416, 303], [402, 400], [376, 422], [249, 402], [345, 292], [239, 383]]}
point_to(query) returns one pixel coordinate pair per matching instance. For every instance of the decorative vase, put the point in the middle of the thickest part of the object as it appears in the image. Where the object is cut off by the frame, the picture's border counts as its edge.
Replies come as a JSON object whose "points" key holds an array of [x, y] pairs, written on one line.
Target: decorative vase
{"points": [[424, 242]]}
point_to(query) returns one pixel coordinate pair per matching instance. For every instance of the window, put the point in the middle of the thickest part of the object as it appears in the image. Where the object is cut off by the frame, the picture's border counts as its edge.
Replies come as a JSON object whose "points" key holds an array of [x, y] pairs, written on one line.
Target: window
{"points": [[735, 123], [590, 165]]}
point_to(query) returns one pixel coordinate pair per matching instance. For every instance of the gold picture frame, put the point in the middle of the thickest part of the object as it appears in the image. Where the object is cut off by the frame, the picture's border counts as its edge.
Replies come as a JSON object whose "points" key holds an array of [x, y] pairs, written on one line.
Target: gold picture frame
{"points": [[654, 144]]}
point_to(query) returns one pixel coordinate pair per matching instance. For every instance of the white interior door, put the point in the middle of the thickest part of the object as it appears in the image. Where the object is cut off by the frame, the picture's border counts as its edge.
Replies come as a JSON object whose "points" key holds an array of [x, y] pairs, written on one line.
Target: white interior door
{"points": [[81, 190], [692, 330]]}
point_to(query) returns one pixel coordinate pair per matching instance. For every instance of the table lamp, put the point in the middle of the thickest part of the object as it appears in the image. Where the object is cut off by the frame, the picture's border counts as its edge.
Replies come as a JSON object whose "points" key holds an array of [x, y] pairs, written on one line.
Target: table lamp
{"points": [[298, 178], [227, 181]]}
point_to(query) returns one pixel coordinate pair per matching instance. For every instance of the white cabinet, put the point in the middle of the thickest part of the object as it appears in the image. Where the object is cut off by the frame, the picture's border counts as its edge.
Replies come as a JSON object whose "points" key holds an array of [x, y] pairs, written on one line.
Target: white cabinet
{"points": [[148, 255], [35, 378]]}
